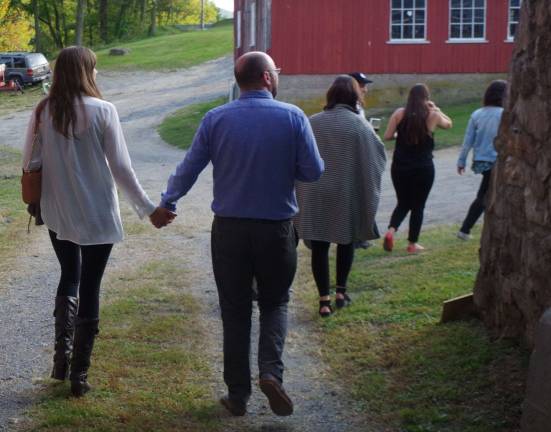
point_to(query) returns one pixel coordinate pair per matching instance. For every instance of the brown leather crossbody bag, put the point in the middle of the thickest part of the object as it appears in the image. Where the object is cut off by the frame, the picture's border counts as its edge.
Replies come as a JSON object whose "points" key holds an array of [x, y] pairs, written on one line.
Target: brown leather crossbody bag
{"points": [[31, 185]]}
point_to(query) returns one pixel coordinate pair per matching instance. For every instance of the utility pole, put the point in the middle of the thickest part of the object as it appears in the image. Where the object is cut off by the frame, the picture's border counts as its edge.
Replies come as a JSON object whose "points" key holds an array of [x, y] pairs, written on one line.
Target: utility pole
{"points": [[202, 14]]}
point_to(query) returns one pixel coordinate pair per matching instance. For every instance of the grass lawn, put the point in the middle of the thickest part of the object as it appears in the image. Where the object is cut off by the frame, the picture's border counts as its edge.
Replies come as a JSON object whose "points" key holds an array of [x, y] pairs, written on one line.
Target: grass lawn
{"points": [[410, 372], [12, 210], [148, 370], [173, 51], [179, 128], [11, 102], [459, 113]]}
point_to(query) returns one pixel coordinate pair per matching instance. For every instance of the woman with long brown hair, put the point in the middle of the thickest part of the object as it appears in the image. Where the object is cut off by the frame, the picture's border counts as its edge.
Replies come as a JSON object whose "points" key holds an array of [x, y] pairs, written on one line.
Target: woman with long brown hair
{"points": [[412, 169], [82, 152], [340, 207]]}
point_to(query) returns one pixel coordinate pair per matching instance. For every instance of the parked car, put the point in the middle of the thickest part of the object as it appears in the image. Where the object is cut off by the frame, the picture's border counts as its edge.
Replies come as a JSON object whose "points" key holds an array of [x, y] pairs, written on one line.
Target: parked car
{"points": [[25, 68]]}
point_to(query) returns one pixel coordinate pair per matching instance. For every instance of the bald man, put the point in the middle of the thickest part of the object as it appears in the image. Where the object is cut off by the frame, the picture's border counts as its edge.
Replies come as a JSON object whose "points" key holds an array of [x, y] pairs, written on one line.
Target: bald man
{"points": [[258, 147]]}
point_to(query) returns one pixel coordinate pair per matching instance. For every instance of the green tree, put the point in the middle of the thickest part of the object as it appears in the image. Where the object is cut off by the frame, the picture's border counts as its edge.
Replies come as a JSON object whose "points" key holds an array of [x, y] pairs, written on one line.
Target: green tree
{"points": [[58, 23], [16, 28]]}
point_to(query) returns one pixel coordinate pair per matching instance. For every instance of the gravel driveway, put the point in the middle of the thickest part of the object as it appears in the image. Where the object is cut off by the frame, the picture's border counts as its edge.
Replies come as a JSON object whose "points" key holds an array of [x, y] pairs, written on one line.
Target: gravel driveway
{"points": [[29, 279]]}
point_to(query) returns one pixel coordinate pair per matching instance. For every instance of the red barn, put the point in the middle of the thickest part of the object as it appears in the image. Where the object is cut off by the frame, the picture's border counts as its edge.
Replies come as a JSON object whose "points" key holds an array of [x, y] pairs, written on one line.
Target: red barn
{"points": [[457, 46], [379, 36]]}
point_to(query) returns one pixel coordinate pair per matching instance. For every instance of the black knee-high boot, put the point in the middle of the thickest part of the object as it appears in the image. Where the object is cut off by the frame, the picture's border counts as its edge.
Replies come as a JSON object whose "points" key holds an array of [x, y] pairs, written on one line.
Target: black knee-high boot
{"points": [[65, 314], [86, 330]]}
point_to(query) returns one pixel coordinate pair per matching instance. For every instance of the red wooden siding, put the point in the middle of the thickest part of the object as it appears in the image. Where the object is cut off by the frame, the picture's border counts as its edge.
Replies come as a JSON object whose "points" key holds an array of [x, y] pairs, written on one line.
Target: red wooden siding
{"points": [[328, 36]]}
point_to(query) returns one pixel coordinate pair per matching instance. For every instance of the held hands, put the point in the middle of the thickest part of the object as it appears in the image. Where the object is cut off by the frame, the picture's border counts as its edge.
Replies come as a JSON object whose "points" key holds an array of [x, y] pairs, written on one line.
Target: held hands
{"points": [[161, 217]]}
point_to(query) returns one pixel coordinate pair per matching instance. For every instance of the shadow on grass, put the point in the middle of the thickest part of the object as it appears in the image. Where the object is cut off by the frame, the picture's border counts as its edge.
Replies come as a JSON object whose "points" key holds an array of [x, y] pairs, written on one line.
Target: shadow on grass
{"points": [[410, 372]]}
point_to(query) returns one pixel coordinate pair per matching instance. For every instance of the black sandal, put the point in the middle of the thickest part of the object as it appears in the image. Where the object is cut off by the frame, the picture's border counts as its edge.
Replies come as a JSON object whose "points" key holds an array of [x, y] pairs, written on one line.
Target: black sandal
{"points": [[342, 302], [327, 304]]}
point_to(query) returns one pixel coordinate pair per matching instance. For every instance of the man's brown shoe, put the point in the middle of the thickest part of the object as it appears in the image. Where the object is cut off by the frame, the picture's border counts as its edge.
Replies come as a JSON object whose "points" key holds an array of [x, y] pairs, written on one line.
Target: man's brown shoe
{"points": [[280, 403], [235, 408]]}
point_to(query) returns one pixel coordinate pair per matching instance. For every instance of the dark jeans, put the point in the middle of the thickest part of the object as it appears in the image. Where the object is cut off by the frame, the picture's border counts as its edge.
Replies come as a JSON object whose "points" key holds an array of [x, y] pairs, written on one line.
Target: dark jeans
{"points": [[478, 205], [82, 269], [243, 249], [412, 190], [320, 264]]}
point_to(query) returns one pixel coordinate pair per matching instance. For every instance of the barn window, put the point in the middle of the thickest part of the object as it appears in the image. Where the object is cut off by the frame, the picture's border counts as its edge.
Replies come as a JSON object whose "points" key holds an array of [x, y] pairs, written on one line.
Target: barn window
{"points": [[238, 30], [514, 17], [252, 18], [408, 20], [467, 19]]}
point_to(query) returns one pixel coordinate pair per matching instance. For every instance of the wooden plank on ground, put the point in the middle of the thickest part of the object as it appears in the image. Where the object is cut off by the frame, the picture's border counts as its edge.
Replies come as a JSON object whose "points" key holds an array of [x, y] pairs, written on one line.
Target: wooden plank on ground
{"points": [[458, 308]]}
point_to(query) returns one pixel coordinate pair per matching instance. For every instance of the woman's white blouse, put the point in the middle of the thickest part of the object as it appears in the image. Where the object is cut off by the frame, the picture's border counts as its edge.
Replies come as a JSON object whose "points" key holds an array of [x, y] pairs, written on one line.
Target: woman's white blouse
{"points": [[79, 199]]}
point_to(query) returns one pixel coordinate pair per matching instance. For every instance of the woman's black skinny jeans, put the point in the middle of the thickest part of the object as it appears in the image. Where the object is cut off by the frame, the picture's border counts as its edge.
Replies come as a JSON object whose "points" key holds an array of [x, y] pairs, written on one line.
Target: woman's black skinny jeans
{"points": [[479, 204], [82, 269], [320, 264], [412, 190]]}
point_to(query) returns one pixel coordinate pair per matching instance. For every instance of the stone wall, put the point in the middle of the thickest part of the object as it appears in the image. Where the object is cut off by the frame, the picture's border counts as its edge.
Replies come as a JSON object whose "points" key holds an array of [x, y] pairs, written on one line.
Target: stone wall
{"points": [[388, 91]]}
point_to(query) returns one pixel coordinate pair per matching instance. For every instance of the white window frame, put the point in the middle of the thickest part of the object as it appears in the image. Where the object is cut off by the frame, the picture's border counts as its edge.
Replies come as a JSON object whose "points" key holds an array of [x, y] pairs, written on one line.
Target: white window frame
{"points": [[252, 28], [511, 38], [402, 40], [462, 39], [238, 30]]}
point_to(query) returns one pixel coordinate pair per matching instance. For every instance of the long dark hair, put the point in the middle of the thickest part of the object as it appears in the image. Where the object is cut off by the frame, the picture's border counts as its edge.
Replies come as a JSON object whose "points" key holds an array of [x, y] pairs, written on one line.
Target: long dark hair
{"points": [[414, 122], [73, 78], [344, 90], [495, 93]]}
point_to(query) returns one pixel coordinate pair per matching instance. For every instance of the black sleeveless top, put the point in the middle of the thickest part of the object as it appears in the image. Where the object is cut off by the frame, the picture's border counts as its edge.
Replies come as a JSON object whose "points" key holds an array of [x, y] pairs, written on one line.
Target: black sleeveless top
{"points": [[411, 156]]}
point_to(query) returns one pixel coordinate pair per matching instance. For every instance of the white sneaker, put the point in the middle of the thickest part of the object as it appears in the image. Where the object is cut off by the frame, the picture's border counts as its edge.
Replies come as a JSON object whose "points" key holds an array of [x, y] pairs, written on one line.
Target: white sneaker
{"points": [[463, 236]]}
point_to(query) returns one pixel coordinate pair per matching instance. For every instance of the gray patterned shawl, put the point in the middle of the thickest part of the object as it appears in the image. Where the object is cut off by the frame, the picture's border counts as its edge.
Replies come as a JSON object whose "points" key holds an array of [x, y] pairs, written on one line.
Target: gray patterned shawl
{"points": [[341, 206]]}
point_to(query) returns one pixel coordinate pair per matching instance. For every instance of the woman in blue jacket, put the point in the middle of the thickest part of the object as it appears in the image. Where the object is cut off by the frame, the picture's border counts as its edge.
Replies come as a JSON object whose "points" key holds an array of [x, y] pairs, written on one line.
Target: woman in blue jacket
{"points": [[479, 136]]}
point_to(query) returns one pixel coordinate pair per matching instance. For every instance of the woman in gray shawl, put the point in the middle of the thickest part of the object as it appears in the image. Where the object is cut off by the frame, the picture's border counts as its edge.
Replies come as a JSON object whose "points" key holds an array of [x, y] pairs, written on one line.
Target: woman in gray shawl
{"points": [[340, 208]]}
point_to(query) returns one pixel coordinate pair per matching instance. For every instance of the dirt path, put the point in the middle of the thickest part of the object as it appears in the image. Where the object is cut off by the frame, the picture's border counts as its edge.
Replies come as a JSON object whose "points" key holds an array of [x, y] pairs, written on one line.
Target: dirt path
{"points": [[28, 281]]}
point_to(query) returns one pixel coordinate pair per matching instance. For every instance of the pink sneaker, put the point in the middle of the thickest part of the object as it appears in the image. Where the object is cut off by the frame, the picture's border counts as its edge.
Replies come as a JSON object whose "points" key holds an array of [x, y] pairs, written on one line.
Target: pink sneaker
{"points": [[415, 248], [388, 242]]}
